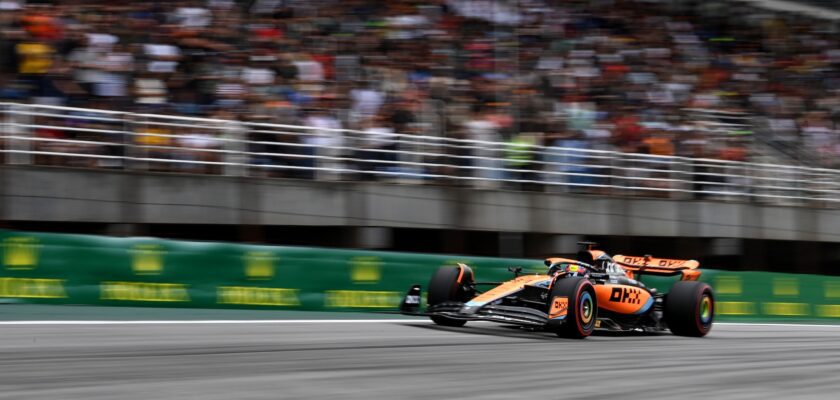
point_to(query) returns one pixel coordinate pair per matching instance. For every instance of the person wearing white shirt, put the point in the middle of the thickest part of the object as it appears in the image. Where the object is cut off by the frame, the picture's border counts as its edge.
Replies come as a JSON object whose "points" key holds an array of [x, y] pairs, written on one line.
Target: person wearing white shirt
{"points": [[379, 144], [327, 141], [366, 102], [193, 17], [163, 57], [486, 147]]}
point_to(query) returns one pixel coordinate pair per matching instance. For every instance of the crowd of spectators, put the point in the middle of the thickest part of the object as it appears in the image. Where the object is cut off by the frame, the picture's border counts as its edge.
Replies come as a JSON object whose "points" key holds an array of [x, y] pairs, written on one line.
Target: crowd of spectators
{"points": [[596, 74]]}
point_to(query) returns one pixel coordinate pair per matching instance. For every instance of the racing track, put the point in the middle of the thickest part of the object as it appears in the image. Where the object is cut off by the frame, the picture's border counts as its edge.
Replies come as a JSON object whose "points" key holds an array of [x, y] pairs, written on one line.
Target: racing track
{"points": [[408, 360]]}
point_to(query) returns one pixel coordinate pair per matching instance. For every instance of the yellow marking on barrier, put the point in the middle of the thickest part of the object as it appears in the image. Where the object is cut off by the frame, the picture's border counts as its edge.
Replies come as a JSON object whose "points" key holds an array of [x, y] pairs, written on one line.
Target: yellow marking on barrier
{"points": [[147, 259], [259, 265], [260, 296], [361, 299], [828, 310], [832, 289], [365, 269], [785, 287], [728, 285], [32, 288], [20, 253], [735, 308], [143, 291], [785, 309]]}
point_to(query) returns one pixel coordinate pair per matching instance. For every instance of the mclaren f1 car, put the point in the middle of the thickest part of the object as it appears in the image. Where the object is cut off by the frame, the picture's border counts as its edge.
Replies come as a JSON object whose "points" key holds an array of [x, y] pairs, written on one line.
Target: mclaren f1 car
{"points": [[574, 297]]}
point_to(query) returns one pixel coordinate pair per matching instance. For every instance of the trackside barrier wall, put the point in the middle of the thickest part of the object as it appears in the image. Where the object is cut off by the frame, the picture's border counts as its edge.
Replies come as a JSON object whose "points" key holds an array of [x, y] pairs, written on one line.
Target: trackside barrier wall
{"points": [[82, 269]]}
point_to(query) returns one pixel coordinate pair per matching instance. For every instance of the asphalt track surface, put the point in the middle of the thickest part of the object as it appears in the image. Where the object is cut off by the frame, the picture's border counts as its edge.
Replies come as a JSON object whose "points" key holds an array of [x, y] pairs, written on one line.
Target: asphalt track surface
{"points": [[405, 359]]}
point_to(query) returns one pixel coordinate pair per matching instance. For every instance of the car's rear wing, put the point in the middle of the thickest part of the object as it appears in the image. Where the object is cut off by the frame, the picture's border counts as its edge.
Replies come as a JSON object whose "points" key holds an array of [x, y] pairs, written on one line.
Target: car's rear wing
{"points": [[659, 266]]}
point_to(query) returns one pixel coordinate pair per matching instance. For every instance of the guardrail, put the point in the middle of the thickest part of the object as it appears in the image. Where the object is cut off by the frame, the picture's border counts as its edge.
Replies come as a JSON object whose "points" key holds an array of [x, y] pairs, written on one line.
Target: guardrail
{"points": [[82, 269], [51, 135]]}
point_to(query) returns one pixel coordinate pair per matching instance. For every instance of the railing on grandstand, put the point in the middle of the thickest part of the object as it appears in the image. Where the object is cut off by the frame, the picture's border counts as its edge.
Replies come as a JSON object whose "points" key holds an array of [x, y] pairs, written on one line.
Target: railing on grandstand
{"points": [[62, 136]]}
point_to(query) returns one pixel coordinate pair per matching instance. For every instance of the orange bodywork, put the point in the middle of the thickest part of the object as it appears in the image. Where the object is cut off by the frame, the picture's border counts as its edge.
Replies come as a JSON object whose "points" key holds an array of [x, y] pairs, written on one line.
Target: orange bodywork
{"points": [[613, 297], [687, 269], [690, 274], [507, 288], [623, 299], [559, 307], [461, 268], [555, 260]]}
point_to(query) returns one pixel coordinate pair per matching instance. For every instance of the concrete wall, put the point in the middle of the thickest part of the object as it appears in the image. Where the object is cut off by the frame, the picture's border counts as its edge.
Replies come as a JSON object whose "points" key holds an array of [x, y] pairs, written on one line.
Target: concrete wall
{"points": [[76, 195]]}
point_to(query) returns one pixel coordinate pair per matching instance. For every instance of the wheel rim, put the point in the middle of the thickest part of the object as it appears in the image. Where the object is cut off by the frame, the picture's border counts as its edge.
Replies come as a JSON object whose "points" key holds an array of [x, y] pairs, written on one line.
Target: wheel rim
{"points": [[587, 309], [705, 310]]}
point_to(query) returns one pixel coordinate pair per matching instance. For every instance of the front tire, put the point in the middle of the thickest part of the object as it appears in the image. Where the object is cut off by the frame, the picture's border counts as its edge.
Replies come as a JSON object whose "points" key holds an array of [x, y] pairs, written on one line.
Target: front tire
{"points": [[582, 307], [445, 287], [690, 308]]}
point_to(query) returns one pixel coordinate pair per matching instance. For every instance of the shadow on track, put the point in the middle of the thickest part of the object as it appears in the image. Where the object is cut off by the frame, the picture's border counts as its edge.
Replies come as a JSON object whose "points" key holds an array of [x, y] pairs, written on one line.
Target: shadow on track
{"points": [[517, 332], [497, 331]]}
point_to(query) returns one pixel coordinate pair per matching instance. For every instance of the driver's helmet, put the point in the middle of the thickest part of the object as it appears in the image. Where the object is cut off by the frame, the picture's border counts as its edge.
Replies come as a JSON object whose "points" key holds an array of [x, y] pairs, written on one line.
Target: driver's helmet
{"points": [[603, 263], [571, 269]]}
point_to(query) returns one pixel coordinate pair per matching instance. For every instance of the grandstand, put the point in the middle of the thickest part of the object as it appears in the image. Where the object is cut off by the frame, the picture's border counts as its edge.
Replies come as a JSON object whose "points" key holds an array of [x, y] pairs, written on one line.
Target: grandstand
{"points": [[609, 99], [229, 199]]}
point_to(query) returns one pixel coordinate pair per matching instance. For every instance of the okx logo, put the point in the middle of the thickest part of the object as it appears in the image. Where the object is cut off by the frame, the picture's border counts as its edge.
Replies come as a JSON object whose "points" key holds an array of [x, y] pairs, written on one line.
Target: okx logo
{"points": [[147, 259], [628, 295], [20, 253]]}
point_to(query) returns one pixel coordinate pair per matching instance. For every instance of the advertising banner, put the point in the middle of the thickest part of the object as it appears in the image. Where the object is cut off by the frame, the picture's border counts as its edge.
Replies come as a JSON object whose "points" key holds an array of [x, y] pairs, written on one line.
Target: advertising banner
{"points": [[84, 269]]}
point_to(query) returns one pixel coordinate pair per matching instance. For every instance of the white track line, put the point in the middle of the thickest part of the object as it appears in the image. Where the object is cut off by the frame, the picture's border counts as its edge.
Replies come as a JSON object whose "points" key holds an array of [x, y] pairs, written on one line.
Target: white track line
{"points": [[213, 321], [321, 321], [826, 325]]}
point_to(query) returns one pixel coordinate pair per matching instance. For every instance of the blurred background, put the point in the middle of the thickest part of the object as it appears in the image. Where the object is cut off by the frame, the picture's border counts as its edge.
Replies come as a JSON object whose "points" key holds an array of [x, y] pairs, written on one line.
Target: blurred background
{"points": [[515, 128]]}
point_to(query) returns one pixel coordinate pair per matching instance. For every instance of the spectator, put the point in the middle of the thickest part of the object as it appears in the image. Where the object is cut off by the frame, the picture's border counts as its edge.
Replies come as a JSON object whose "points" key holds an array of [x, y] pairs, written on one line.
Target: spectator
{"points": [[520, 160], [625, 75], [482, 132], [327, 143], [378, 145], [35, 58], [567, 161]]}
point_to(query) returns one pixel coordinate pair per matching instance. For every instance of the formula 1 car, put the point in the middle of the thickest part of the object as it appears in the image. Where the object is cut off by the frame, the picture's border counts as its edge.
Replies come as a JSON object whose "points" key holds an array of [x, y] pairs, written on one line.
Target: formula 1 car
{"points": [[574, 297]]}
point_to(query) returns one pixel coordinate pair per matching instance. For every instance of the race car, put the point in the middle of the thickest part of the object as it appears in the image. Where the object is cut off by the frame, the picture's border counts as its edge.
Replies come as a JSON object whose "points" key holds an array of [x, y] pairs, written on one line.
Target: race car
{"points": [[574, 297]]}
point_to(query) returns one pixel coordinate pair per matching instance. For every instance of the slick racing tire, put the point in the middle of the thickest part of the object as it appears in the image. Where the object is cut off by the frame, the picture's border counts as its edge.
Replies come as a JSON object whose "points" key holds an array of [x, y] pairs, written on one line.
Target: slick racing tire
{"points": [[445, 286], [575, 296], [690, 308]]}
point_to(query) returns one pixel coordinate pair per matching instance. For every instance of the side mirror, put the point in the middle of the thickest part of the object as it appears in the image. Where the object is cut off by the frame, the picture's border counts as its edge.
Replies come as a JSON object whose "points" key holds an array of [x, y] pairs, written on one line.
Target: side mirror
{"points": [[411, 301]]}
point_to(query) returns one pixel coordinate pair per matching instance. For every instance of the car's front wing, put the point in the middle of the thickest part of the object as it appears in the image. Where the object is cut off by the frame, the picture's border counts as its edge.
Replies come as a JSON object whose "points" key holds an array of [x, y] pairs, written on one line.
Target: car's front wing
{"points": [[504, 314]]}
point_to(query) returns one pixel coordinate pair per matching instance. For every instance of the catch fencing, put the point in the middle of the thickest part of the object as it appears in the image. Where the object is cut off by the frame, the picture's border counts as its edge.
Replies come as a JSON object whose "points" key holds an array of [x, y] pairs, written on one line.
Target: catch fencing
{"points": [[87, 138]]}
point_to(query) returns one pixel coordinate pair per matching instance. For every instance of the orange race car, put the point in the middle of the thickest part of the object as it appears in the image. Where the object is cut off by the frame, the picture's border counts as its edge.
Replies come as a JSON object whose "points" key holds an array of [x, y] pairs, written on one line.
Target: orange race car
{"points": [[574, 297]]}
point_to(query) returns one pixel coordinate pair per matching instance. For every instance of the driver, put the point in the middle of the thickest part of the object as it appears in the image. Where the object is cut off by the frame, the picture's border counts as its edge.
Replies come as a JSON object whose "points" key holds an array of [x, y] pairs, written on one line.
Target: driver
{"points": [[605, 264], [568, 267], [615, 272]]}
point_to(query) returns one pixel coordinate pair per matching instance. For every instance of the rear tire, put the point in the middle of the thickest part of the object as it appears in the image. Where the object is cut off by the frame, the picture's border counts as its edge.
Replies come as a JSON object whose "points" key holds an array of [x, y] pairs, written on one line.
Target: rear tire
{"points": [[690, 308], [582, 311], [444, 287]]}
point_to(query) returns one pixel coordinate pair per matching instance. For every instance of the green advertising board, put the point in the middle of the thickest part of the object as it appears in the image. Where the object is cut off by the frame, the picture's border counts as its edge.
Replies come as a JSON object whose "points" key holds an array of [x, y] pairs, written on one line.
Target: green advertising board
{"points": [[84, 269]]}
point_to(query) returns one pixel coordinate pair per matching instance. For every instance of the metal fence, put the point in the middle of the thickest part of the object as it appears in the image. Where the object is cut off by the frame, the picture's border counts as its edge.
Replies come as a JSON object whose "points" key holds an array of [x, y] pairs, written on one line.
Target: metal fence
{"points": [[74, 137]]}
